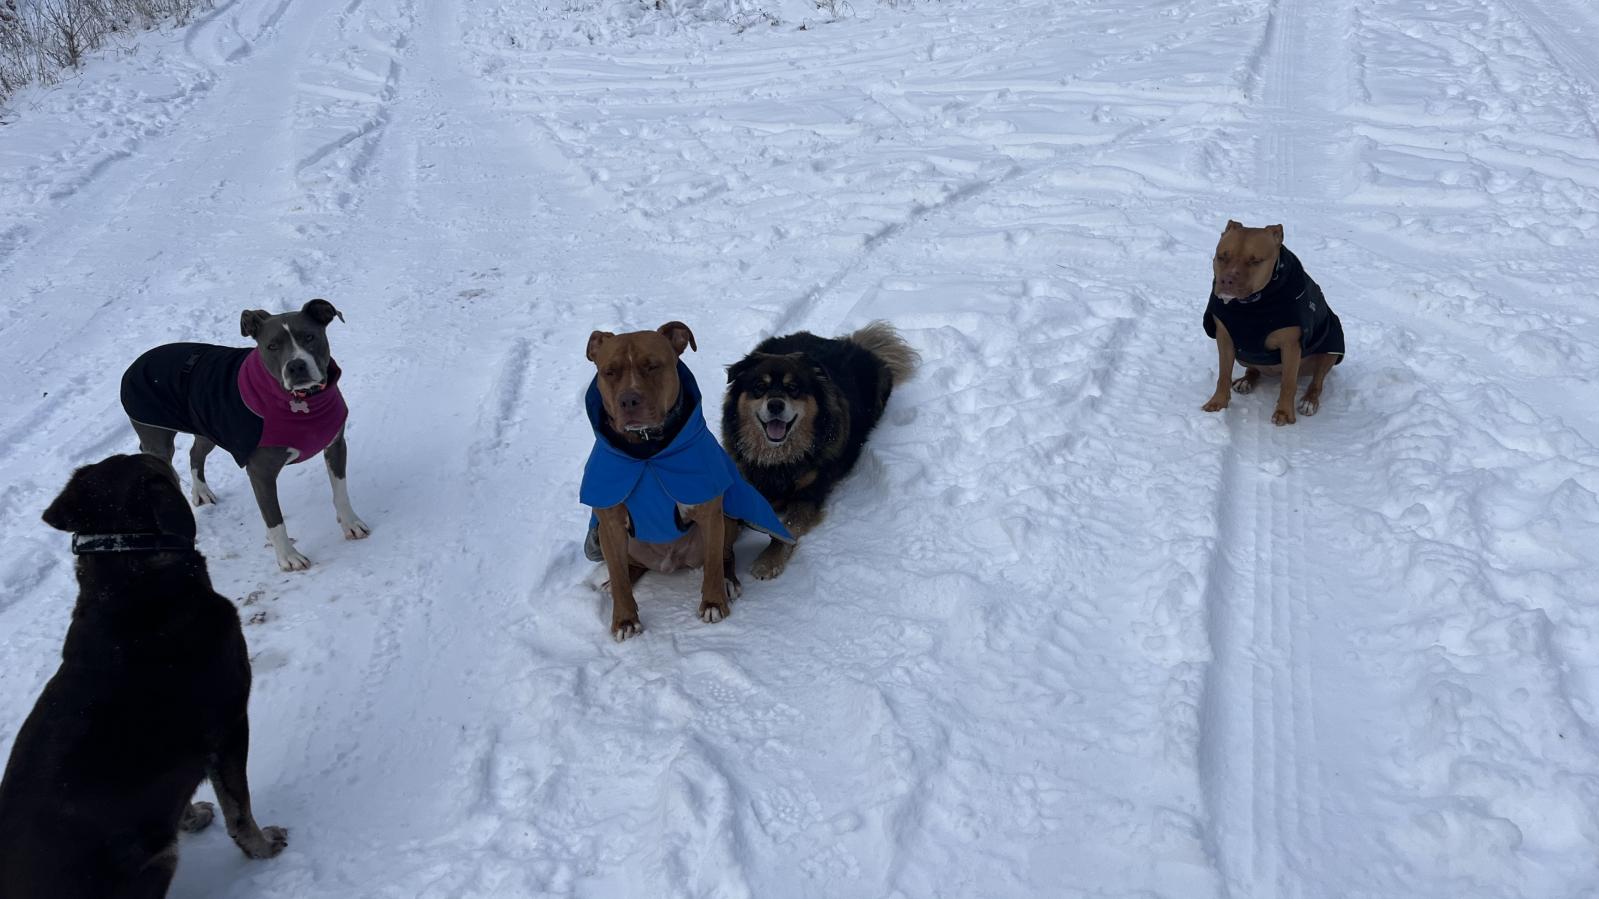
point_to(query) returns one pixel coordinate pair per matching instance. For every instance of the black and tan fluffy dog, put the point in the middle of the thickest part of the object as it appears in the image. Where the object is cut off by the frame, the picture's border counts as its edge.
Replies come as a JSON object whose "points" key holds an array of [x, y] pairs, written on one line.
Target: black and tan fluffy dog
{"points": [[149, 699], [796, 416]]}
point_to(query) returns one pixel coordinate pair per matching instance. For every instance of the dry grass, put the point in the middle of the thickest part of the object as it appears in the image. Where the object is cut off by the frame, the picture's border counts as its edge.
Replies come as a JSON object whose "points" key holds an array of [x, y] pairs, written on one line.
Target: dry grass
{"points": [[40, 39]]}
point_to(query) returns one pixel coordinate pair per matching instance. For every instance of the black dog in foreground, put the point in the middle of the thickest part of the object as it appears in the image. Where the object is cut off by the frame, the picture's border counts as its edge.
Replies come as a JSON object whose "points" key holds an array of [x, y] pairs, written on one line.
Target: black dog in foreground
{"points": [[796, 416], [149, 699]]}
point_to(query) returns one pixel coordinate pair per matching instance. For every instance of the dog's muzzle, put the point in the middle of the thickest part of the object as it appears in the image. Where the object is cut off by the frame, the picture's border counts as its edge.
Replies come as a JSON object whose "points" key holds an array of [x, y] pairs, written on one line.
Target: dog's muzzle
{"points": [[776, 419]]}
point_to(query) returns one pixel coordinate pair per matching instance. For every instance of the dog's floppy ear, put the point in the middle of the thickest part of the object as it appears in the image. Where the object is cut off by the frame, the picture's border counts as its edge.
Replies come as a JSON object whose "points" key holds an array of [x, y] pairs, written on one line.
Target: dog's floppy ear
{"points": [[1277, 232], [680, 336], [1232, 226], [168, 505], [595, 340], [321, 312], [741, 368], [70, 510], [250, 321]]}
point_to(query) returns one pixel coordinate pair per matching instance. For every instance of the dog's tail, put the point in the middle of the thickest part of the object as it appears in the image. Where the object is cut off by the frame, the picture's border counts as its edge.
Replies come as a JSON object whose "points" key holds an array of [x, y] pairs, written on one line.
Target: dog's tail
{"points": [[881, 340]]}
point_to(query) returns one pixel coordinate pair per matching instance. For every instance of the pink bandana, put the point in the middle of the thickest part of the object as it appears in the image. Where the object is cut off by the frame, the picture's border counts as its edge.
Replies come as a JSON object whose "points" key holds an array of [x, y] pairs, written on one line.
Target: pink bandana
{"points": [[304, 421]]}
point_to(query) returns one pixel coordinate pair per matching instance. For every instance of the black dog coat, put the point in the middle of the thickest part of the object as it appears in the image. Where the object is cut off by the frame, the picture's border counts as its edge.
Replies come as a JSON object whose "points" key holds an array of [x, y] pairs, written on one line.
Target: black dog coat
{"points": [[1289, 299]]}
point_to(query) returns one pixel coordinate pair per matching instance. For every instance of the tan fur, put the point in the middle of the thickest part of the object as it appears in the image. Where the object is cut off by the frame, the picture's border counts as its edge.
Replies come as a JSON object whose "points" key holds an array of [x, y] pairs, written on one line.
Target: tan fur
{"points": [[881, 340], [1245, 259], [752, 441]]}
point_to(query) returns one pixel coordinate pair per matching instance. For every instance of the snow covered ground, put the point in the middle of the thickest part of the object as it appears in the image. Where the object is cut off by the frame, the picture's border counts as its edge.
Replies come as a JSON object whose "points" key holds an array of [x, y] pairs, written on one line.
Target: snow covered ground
{"points": [[1063, 634]]}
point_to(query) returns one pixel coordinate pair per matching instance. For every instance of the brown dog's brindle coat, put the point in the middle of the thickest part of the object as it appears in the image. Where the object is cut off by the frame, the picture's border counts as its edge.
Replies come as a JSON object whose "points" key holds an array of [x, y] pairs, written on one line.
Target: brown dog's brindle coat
{"points": [[1244, 261], [639, 387]]}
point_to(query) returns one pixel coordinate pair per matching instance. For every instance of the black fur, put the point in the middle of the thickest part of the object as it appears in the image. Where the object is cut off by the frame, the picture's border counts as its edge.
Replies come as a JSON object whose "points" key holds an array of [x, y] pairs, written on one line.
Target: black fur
{"points": [[150, 698], [851, 387]]}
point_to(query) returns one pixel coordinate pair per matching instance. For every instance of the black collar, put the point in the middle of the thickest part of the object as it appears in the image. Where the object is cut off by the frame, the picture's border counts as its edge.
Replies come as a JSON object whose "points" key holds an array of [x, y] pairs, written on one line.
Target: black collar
{"points": [[655, 438], [86, 544]]}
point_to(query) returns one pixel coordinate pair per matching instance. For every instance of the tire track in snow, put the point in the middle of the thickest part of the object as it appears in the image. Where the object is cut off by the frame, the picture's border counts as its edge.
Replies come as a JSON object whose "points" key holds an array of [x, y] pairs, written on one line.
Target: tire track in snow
{"points": [[1259, 703]]}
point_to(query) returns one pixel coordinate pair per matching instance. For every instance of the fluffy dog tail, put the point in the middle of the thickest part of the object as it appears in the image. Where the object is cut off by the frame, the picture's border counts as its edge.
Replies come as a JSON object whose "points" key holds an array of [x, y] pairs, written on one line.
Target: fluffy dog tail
{"points": [[881, 340]]}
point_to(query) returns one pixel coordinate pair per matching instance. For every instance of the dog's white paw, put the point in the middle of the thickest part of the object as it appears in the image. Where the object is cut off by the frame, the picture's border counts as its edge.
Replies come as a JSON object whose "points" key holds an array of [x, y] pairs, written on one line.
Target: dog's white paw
{"points": [[202, 495], [355, 528], [1243, 385], [266, 844], [769, 565], [293, 560], [1309, 406], [710, 613], [625, 630], [733, 587]]}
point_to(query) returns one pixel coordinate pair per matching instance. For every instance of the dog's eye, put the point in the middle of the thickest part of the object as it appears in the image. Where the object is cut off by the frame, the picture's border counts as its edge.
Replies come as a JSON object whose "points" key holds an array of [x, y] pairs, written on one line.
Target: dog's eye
{"points": [[1256, 261], [610, 372], [308, 339], [792, 390], [652, 366], [272, 347]]}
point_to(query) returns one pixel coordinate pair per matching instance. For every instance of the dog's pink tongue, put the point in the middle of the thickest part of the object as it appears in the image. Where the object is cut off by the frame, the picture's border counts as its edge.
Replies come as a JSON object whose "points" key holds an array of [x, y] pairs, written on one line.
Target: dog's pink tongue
{"points": [[776, 430]]}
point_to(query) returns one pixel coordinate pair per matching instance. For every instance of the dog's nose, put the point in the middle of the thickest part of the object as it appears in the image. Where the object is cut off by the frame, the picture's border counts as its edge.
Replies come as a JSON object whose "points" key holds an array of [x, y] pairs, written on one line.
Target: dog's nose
{"points": [[630, 400], [774, 407], [297, 368]]}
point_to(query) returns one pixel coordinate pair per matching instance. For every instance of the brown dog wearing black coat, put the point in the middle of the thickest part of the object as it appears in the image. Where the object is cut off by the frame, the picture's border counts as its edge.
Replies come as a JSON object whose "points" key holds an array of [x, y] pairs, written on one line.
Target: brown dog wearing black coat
{"points": [[149, 700]]}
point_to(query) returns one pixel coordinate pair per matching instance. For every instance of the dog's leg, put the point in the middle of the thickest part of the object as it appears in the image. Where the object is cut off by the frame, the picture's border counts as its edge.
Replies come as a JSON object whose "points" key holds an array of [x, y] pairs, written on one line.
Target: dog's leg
{"points": [[730, 581], [201, 493], [232, 786], [157, 442], [712, 522], [1224, 352], [336, 455], [1286, 342], [154, 878], [265, 465], [1320, 365], [800, 517], [613, 545], [197, 817]]}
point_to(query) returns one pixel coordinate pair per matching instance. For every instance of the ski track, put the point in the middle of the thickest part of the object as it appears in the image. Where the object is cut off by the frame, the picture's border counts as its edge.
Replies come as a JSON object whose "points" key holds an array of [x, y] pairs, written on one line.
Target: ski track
{"points": [[1061, 634]]}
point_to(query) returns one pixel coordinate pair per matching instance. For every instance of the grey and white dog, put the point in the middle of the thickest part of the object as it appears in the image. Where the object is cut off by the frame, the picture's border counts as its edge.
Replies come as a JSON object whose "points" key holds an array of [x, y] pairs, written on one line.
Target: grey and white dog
{"points": [[268, 406]]}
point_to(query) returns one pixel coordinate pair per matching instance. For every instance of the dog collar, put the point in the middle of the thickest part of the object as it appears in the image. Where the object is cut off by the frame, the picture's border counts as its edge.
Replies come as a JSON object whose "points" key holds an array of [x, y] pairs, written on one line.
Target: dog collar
{"points": [[94, 544]]}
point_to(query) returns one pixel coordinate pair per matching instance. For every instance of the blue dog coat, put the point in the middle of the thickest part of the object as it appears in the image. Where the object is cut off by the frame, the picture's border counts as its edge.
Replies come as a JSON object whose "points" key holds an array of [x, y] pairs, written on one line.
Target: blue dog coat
{"points": [[690, 470]]}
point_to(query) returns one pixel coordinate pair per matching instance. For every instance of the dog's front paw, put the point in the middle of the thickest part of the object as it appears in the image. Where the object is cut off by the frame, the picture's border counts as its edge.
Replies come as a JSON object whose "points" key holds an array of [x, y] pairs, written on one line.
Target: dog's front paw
{"points": [[265, 843], [1217, 402], [712, 612], [197, 817], [1283, 416], [1244, 385], [293, 560], [1310, 405], [626, 628], [202, 495], [355, 528]]}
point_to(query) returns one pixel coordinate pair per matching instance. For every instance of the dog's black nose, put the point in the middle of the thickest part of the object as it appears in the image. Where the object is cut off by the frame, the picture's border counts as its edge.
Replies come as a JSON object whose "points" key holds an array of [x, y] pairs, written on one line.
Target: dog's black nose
{"points": [[297, 368], [774, 407], [630, 400]]}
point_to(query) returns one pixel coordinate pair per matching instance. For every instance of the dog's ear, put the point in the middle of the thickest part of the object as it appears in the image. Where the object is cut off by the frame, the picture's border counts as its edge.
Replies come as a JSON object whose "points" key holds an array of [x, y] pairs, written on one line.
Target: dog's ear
{"points": [[250, 321], [168, 505], [1232, 226], [742, 367], [321, 312], [1277, 232], [680, 336], [70, 510], [595, 340]]}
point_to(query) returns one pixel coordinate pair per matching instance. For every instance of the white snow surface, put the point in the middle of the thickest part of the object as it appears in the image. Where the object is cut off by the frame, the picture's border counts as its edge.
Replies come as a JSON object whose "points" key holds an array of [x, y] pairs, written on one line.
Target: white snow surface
{"points": [[1061, 634]]}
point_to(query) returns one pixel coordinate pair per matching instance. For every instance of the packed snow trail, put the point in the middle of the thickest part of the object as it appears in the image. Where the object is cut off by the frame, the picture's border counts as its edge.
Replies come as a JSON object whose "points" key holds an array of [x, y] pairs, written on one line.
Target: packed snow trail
{"points": [[1062, 634]]}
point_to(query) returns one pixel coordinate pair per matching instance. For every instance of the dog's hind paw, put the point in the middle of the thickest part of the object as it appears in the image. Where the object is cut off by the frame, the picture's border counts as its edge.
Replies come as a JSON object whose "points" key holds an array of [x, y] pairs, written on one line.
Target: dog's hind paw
{"points": [[202, 495], [1244, 385], [265, 843], [734, 588], [197, 817], [1309, 405]]}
